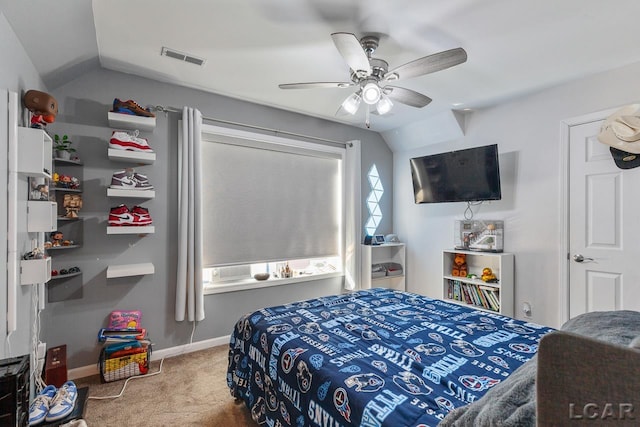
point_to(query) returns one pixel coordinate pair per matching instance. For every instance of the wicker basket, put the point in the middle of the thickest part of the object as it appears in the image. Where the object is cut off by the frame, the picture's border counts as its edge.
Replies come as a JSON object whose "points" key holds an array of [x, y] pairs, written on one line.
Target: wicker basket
{"points": [[122, 367]]}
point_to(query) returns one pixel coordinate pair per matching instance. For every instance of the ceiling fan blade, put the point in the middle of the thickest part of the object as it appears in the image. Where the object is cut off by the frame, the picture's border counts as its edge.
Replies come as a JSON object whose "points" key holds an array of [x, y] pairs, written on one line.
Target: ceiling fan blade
{"points": [[407, 96], [349, 47], [312, 85], [429, 64]]}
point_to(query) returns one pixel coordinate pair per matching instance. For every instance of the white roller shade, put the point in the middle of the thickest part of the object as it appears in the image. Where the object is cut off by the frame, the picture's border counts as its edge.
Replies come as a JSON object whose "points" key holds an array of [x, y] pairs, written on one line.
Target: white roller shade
{"points": [[265, 202]]}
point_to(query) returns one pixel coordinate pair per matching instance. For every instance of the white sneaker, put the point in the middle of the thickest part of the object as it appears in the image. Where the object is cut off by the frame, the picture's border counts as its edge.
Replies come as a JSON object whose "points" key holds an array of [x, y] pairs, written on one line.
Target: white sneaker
{"points": [[129, 141], [40, 406], [63, 403]]}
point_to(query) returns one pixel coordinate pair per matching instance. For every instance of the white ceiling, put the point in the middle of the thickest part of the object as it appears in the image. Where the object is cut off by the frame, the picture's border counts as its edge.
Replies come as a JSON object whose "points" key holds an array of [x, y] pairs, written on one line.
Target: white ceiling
{"points": [[514, 47]]}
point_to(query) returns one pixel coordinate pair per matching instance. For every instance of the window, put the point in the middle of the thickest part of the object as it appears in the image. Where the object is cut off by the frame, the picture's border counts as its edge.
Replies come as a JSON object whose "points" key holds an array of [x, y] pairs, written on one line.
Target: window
{"points": [[373, 201], [269, 202]]}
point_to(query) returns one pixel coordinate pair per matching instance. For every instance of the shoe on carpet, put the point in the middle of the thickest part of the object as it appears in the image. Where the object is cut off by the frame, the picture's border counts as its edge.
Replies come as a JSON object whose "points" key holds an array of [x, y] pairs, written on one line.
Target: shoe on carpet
{"points": [[130, 107], [63, 403], [122, 140], [130, 180], [39, 408]]}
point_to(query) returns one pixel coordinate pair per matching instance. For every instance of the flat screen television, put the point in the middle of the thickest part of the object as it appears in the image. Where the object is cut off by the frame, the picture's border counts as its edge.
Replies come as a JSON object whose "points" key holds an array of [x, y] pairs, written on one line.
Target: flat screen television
{"points": [[467, 175]]}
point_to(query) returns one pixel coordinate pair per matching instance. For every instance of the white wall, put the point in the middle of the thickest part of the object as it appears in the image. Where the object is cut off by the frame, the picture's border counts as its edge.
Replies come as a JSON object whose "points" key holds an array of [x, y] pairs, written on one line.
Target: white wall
{"points": [[17, 74], [527, 132]]}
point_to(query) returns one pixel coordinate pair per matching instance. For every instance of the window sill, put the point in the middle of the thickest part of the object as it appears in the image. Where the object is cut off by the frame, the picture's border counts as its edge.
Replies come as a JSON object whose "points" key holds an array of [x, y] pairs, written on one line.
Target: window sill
{"points": [[243, 285]]}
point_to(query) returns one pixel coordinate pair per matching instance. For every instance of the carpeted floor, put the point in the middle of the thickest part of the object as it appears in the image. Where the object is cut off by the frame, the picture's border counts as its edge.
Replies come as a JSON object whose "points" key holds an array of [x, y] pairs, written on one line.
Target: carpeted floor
{"points": [[190, 391]]}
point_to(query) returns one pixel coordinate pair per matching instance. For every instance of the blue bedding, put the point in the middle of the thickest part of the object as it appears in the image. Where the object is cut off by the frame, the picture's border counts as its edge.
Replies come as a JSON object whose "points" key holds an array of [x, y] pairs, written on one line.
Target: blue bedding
{"points": [[375, 357]]}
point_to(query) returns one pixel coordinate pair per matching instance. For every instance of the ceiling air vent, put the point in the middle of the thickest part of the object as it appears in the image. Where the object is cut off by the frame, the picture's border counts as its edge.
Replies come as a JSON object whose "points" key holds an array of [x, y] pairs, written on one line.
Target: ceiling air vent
{"points": [[172, 53]]}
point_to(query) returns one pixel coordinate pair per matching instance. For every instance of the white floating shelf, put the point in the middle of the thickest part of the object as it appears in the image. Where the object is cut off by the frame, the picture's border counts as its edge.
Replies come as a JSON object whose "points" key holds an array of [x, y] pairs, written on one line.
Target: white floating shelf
{"points": [[128, 121], [126, 270], [132, 156], [140, 194], [34, 152], [150, 229], [34, 271]]}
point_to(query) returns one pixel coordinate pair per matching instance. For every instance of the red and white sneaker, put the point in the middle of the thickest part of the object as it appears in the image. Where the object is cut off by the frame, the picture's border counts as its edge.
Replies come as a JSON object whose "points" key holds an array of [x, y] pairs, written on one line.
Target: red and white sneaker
{"points": [[122, 216], [141, 215], [129, 141]]}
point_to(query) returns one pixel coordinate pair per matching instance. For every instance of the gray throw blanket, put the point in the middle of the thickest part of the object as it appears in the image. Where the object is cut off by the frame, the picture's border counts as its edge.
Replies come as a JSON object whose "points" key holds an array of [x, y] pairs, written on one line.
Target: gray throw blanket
{"points": [[512, 402]]}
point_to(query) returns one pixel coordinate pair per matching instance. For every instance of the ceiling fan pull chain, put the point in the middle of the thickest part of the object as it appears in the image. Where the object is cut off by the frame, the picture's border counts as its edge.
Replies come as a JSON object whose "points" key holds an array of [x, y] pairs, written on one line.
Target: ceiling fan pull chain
{"points": [[367, 117]]}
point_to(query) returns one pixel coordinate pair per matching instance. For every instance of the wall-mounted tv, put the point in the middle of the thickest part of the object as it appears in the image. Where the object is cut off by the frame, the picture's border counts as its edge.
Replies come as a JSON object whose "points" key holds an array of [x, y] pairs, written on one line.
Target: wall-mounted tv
{"points": [[466, 175]]}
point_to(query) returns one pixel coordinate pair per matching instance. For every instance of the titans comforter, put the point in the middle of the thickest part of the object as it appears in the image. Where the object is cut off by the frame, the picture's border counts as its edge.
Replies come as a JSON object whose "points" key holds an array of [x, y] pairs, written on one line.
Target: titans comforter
{"points": [[371, 358]]}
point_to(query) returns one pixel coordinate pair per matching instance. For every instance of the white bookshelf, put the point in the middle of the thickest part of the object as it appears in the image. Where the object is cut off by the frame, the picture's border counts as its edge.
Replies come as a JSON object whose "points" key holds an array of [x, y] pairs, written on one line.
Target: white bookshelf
{"points": [[376, 254], [502, 266]]}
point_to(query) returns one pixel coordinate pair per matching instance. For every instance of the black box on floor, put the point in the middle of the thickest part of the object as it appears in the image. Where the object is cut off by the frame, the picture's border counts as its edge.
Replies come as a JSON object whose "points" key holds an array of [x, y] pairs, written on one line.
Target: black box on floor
{"points": [[14, 391]]}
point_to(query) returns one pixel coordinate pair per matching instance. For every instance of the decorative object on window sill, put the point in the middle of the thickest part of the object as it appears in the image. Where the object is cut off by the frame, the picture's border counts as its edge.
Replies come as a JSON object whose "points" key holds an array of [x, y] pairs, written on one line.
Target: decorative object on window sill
{"points": [[261, 276]]}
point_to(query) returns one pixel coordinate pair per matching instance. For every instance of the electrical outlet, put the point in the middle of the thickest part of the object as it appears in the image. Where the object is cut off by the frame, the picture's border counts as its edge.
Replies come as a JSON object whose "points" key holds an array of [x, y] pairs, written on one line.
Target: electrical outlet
{"points": [[42, 350], [526, 309]]}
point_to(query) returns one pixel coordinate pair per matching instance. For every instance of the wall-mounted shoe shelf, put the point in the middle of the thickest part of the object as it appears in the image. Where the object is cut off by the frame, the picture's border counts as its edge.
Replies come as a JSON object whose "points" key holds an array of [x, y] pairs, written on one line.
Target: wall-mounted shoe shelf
{"points": [[138, 157], [150, 229], [126, 270], [128, 121], [139, 194]]}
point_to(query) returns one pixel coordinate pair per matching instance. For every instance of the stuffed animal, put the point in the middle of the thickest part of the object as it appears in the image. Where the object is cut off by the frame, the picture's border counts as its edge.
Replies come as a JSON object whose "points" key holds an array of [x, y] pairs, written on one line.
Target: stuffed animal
{"points": [[459, 265]]}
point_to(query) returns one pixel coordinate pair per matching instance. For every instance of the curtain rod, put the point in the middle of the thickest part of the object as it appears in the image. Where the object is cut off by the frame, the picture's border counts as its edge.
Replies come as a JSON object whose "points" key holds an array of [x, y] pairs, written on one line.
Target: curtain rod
{"points": [[275, 131]]}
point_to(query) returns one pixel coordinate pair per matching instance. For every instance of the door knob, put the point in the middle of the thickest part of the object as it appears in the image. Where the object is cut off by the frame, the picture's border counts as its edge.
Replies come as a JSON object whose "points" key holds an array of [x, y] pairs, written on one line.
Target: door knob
{"points": [[580, 258]]}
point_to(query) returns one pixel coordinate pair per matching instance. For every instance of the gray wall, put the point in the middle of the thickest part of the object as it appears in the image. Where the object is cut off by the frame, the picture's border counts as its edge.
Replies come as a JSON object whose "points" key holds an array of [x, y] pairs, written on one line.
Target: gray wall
{"points": [[87, 301], [527, 132], [17, 74]]}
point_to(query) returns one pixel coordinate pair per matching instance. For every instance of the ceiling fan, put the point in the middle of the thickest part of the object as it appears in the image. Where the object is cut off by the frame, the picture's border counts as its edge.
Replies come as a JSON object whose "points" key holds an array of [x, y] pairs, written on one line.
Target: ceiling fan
{"points": [[372, 75]]}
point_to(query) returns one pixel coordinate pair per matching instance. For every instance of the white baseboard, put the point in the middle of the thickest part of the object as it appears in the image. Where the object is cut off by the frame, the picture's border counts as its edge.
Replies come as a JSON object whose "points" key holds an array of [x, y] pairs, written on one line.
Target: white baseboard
{"points": [[87, 371]]}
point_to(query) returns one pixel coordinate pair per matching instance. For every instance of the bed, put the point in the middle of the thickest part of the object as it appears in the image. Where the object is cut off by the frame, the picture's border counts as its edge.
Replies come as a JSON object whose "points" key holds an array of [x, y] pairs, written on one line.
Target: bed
{"points": [[376, 357]]}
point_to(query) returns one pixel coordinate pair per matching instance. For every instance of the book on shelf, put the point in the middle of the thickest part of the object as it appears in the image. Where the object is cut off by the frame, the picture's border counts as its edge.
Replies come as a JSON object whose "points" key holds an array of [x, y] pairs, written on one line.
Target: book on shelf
{"points": [[486, 297], [493, 298]]}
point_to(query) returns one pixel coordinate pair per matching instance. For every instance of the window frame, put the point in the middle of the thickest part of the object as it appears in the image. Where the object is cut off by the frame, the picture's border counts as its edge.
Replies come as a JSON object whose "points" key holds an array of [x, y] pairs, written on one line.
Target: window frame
{"points": [[293, 144]]}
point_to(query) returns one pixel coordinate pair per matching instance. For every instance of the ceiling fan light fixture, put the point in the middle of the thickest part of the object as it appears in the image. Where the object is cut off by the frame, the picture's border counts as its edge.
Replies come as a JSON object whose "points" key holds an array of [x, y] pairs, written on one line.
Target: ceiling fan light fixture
{"points": [[352, 103], [371, 93], [384, 105]]}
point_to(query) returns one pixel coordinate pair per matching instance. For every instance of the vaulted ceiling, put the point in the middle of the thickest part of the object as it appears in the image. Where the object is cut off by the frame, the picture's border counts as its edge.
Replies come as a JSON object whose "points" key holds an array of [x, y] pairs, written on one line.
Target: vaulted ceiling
{"points": [[514, 47]]}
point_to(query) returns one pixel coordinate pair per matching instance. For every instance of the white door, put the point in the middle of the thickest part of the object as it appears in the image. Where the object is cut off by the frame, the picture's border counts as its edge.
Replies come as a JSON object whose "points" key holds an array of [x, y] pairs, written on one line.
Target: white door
{"points": [[604, 226]]}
